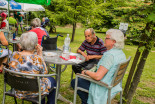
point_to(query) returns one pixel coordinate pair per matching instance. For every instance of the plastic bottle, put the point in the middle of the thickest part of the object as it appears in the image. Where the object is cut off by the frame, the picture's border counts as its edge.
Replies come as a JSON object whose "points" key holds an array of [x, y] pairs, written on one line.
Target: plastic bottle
{"points": [[66, 48], [66, 44]]}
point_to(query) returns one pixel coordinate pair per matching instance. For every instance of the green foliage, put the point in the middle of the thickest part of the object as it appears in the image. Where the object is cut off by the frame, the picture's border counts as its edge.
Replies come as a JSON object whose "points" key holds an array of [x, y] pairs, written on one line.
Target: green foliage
{"points": [[70, 11], [145, 88]]}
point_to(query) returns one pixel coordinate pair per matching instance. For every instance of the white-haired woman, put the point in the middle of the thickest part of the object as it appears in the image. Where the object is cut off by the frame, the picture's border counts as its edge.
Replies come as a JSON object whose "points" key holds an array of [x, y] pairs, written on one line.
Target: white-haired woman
{"points": [[36, 27], [114, 42], [28, 62]]}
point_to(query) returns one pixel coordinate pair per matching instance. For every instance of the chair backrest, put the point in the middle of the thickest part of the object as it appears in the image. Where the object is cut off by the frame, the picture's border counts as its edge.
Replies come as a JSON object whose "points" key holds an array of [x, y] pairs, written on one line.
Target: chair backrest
{"points": [[49, 43], [21, 83], [119, 74]]}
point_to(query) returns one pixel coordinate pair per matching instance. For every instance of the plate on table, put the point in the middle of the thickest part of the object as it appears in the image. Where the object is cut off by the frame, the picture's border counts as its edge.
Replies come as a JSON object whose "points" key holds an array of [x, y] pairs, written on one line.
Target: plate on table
{"points": [[74, 54], [50, 54], [17, 38]]}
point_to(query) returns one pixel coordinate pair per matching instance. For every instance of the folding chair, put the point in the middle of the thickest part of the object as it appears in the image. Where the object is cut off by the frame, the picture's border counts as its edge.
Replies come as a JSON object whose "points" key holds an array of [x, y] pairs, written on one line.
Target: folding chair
{"points": [[17, 82], [118, 76]]}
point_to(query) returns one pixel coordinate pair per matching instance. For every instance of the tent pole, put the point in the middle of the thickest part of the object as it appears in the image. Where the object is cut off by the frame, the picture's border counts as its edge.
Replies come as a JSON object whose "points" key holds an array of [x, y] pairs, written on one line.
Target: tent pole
{"points": [[8, 19], [27, 18]]}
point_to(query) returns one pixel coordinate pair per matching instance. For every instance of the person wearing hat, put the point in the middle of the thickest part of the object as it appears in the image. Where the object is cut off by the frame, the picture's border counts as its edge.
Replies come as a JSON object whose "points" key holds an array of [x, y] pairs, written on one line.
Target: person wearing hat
{"points": [[4, 23]]}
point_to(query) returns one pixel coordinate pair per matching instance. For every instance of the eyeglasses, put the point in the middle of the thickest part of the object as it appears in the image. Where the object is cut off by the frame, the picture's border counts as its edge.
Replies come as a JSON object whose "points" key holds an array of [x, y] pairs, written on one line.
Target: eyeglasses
{"points": [[107, 38]]}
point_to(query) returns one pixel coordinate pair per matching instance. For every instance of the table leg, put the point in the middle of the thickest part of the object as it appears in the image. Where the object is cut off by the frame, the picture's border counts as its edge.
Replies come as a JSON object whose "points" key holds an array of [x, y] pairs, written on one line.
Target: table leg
{"points": [[58, 72], [14, 46], [58, 96]]}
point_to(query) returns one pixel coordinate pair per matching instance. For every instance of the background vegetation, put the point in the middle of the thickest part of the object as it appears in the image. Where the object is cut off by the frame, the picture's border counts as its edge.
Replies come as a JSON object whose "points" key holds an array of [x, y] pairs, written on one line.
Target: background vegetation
{"points": [[101, 15]]}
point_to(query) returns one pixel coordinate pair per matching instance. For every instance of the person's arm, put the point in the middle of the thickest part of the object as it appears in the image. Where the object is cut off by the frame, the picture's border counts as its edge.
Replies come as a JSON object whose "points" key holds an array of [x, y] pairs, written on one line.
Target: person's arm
{"points": [[39, 50], [82, 53], [94, 57], [105, 64], [96, 75], [3, 39], [39, 53]]}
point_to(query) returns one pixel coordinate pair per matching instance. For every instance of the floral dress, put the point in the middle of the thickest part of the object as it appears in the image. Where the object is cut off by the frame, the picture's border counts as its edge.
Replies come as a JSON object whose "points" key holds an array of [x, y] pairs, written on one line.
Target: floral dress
{"points": [[31, 64]]}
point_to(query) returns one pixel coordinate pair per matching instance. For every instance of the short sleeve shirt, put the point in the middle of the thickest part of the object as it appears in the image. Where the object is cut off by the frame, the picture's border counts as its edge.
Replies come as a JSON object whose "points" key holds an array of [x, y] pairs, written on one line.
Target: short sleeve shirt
{"points": [[40, 33], [18, 17], [12, 21], [96, 49]]}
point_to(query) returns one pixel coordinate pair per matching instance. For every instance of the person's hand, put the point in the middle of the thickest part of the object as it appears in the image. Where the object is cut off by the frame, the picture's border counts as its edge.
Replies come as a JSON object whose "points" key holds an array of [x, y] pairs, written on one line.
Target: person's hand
{"points": [[39, 50], [82, 71], [89, 57]]}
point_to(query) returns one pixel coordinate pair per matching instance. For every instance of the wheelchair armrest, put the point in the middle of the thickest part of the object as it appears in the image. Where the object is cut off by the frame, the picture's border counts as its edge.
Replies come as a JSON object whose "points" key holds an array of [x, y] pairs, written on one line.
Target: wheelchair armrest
{"points": [[60, 35], [92, 80]]}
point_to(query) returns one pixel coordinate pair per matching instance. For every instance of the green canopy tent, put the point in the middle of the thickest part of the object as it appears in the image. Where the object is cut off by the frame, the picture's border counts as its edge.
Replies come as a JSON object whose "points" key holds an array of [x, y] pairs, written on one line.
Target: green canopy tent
{"points": [[39, 2]]}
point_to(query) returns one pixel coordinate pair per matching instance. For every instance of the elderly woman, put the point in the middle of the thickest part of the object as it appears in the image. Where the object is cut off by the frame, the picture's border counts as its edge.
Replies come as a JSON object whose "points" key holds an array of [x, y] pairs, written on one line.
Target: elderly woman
{"points": [[36, 27], [114, 42], [3, 52], [28, 62]]}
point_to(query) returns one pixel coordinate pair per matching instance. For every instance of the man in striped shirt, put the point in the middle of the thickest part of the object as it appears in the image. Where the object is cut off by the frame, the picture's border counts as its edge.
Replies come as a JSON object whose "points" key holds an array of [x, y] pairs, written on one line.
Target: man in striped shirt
{"points": [[94, 48]]}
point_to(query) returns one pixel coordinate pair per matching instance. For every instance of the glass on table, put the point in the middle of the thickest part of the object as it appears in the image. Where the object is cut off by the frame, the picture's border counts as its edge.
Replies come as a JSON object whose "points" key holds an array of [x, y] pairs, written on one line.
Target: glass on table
{"points": [[58, 56], [66, 55]]}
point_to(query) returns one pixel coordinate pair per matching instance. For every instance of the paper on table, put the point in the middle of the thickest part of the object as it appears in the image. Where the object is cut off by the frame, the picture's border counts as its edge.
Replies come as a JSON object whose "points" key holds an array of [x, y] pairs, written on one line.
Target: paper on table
{"points": [[50, 54], [75, 60]]}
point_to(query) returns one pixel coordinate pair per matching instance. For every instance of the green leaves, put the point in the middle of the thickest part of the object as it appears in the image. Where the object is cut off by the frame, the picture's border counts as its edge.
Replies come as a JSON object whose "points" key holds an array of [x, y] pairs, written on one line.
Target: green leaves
{"points": [[151, 17]]}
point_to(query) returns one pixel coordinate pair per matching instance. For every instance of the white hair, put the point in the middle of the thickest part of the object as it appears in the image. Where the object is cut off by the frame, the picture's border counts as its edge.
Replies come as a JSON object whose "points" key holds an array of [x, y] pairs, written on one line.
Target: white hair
{"points": [[118, 36], [28, 41], [36, 22], [91, 30]]}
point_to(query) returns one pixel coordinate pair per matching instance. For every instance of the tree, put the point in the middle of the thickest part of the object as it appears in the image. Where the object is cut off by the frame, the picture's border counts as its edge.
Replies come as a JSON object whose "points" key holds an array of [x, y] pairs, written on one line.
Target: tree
{"points": [[146, 43], [71, 12]]}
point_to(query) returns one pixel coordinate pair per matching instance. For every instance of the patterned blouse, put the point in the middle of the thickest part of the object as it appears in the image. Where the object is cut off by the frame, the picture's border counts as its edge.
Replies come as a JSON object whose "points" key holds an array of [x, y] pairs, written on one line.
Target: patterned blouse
{"points": [[31, 64]]}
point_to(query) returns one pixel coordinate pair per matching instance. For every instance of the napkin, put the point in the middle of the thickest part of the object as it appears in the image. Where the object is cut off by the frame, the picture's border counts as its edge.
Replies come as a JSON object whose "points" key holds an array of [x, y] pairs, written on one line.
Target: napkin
{"points": [[72, 59]]}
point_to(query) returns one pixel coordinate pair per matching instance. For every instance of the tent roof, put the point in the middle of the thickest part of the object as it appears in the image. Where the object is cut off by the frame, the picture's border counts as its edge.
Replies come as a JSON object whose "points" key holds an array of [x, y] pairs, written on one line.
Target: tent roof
{"points": [[39, 2]]}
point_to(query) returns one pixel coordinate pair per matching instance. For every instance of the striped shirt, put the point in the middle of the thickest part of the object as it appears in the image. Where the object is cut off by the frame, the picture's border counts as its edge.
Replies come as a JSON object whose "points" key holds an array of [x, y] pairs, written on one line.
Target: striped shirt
{"points": [[96, 49]]}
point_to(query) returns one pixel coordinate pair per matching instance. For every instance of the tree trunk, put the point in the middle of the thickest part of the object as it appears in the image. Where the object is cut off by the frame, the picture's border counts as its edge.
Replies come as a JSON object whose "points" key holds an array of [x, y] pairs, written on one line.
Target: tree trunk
{"points": [[73, 33], [134, 63], [131, 73], [137, 76], [141, 64]]}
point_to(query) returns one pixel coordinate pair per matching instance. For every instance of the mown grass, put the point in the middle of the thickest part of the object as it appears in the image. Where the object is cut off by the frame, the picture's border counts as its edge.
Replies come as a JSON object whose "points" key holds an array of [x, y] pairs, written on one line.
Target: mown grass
{"points": [[145, 93]]}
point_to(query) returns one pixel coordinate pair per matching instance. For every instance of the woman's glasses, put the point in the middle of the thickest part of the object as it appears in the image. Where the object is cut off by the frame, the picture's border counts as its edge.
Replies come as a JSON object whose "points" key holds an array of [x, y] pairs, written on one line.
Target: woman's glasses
{"points": [[107, 38]]}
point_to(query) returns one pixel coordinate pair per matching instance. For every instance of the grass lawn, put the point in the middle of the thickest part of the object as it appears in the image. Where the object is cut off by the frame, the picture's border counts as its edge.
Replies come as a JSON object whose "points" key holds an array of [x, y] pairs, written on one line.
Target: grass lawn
{"points": [[145, 93]]}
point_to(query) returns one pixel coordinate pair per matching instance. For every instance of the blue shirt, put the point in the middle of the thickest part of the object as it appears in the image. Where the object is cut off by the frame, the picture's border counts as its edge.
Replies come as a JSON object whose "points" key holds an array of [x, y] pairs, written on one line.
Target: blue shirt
{"points": [[110, 60]]}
